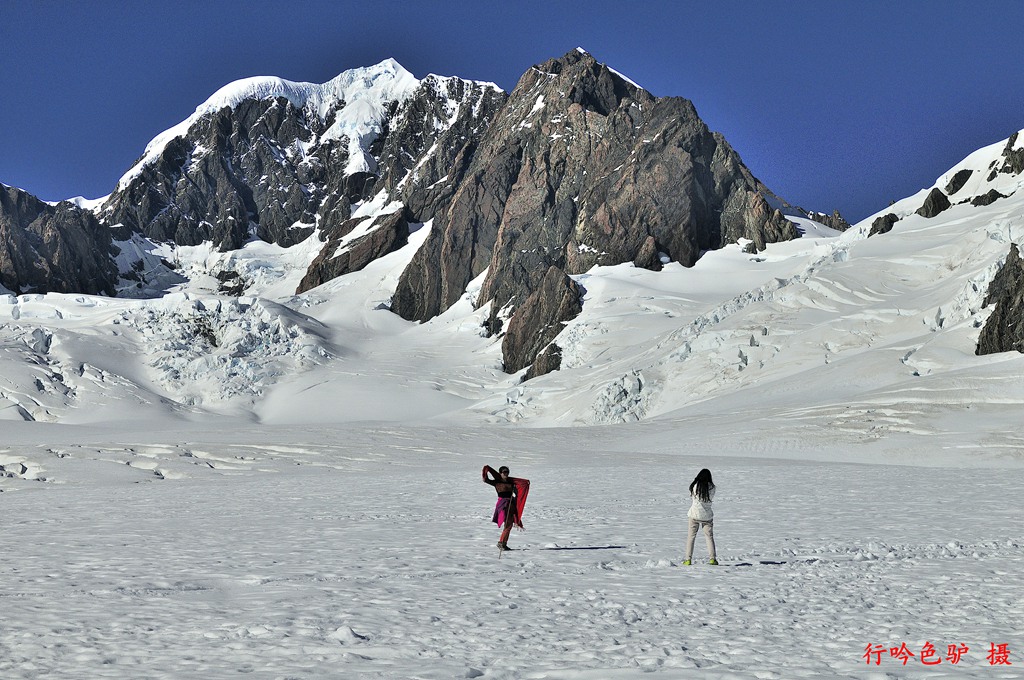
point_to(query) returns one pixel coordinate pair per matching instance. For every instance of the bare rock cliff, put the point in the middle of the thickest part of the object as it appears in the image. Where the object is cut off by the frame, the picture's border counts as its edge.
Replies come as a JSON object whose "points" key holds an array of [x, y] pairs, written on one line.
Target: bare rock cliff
{"points": [[45, 248], [581, 167]]}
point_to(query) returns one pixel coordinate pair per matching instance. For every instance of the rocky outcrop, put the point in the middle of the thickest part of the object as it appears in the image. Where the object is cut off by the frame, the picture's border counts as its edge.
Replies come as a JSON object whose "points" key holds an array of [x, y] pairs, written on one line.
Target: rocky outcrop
{"points": [[1013, 158], [431, 137], [239, 172], [883, 224], [834, 221], [957, 182], [345, 253], [45, 248], [541, 317], [934, 204], [763, 224], [988, 198], [547, 361], [582, 168], [1004, 330], [577, 167]]}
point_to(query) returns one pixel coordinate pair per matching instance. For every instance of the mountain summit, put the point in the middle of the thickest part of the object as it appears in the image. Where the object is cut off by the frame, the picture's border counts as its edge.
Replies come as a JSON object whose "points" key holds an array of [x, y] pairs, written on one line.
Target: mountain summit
{"points": [[580, 167], [276, 160]]}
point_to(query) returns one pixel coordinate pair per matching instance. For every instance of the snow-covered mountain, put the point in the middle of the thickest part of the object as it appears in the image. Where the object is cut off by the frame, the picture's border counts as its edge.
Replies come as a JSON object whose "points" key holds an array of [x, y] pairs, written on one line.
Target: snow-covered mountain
{"points": [[576, 167], [276, 160], [879, 313]]}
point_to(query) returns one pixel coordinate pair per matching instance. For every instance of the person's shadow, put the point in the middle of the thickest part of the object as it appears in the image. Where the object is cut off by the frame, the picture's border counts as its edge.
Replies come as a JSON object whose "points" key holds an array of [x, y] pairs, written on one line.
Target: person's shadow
{"points": [[588, 547]]}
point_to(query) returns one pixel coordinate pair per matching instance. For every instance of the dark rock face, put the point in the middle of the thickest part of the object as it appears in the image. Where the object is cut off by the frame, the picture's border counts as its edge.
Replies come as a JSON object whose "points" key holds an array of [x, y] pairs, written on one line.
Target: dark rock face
{"points": [[265, 169], [577, 167], [1004, 330], [581, 168], [987, 198], [1013, 160], [238, 173], [1014, 163], [384, 235], [833, 221], [538, 320], [935, 203], [883, 224], [431, 137], [547, 361], [46, 248], [958, 181]]}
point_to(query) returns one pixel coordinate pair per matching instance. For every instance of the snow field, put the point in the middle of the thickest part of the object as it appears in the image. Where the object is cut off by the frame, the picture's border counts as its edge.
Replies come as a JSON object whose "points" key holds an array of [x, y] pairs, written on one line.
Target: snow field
{"points": [[369, 553]]}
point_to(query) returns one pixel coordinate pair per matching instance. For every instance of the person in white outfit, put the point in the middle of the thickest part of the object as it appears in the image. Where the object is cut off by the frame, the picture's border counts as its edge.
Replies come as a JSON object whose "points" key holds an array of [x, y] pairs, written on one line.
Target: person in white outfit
{"points": [[702, 490]]}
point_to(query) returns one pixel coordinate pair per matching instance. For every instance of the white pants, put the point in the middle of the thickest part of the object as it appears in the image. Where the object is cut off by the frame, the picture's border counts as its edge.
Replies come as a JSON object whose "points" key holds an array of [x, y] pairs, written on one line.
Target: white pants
{"points": [[709, 536]]}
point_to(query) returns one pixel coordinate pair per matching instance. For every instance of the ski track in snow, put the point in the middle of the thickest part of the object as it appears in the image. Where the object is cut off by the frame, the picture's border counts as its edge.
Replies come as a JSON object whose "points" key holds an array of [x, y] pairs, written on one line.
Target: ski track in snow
{"points": [[375, 558]]}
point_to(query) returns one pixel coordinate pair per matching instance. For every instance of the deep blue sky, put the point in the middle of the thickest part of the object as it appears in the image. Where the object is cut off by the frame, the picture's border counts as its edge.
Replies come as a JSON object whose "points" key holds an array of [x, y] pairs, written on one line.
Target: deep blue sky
{"points": [[832, 104]]}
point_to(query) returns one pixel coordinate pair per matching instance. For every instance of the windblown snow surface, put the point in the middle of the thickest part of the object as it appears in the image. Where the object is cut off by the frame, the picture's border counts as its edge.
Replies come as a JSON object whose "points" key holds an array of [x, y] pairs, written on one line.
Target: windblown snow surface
{"points": [[278, 486]]}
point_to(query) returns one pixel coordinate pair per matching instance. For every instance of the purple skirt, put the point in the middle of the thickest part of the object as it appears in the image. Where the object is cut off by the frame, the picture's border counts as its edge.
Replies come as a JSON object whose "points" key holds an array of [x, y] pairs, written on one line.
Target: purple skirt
{"points": [[500, 510]]}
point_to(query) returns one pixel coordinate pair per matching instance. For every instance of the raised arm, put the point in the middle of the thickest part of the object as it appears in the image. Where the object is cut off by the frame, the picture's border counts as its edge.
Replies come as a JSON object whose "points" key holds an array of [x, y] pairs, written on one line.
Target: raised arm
{"points": [[488, 470]]}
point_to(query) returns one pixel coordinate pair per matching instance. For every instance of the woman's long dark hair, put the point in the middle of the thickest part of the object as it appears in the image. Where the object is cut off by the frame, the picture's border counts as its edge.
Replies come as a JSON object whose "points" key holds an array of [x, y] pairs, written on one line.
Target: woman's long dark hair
{"points": [[702, 485]]}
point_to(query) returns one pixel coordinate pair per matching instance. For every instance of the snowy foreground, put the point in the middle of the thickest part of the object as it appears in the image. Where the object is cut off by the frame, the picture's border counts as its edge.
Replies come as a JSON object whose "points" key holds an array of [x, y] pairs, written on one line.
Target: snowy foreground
{"points": [[368, 553]]}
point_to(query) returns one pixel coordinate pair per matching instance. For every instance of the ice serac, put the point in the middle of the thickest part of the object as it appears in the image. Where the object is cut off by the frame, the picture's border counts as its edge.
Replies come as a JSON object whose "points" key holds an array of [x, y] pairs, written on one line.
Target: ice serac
{"points": [[580, 168], [264, 158], [46, 248]]}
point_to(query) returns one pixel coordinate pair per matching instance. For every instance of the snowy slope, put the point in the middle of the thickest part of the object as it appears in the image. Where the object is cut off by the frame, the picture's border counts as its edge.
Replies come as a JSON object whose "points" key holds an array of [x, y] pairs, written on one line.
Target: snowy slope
{"points": [[880, 321]]}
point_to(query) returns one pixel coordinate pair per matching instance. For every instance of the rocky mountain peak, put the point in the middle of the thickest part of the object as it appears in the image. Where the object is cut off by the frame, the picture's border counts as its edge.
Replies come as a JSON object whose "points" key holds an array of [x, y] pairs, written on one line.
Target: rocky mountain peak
{"points": [[579, 168], [584, 81], [276, 160]]}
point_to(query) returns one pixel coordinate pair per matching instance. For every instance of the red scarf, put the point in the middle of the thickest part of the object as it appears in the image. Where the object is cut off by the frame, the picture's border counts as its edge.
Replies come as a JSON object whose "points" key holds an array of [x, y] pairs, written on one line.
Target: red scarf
{"points": [[522, 490]]}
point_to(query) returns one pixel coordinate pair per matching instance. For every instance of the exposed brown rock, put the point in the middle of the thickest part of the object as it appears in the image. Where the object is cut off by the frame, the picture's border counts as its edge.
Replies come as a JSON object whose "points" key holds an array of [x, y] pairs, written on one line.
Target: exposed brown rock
{"points": [[46, 248], [1004, 330], [935, 203], [883, 224], [581, 168], [385, 235], [538, 320], [834, 221], [261, 169]]}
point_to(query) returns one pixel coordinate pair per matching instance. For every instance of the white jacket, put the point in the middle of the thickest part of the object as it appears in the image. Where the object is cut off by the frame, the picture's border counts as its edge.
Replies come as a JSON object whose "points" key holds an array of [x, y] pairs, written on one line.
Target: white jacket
{"points": [[700, 510]]}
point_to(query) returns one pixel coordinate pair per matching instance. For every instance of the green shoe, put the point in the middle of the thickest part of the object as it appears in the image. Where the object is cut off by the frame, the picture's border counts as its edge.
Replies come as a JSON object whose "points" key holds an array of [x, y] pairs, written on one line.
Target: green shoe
{"points": [[713, 562], [686, 563]]}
